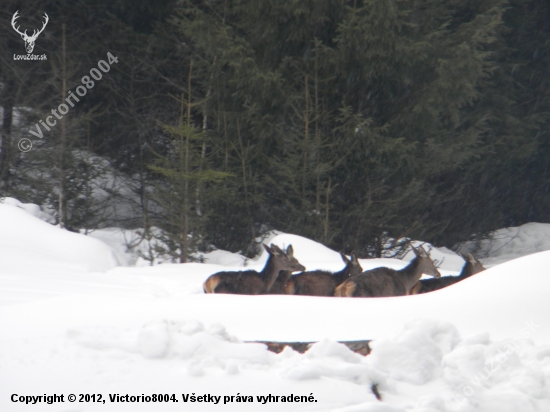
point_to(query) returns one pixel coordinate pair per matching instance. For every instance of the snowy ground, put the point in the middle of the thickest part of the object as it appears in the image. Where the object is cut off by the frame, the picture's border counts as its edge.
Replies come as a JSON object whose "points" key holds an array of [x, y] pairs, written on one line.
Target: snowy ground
{"points": [[74, 321]]}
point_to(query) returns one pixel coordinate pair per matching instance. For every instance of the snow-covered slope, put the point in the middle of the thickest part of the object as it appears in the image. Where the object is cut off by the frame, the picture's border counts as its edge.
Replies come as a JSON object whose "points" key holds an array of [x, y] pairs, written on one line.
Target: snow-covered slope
{"points": [[29, 245], [511, 243], [72, 322]]}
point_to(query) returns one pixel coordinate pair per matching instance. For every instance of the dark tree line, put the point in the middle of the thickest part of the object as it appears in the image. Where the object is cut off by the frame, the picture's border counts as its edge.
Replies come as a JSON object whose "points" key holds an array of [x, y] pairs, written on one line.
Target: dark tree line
{"points": [[349, 122]]}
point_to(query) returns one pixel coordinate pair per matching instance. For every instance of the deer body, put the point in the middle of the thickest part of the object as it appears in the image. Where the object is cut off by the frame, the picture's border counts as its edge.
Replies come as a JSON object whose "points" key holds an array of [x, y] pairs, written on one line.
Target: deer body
{"points": [[321, 282], [472, 267], [250, 282], [383, 281]]}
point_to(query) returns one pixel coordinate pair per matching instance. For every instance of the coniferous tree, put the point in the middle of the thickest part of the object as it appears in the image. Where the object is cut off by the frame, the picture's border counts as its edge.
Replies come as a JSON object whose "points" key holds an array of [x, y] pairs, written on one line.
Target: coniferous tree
{"points": [[184, 171], [356, 123]]}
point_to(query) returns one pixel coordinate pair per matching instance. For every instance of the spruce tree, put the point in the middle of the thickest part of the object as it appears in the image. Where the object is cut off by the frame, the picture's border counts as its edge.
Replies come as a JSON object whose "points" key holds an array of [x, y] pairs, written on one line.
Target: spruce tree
{"points": [[185, 171]]}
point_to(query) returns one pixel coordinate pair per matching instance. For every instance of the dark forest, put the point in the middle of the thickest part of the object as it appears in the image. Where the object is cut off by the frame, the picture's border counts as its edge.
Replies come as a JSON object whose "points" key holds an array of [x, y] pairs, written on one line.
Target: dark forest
{"points": [[353, 123]]}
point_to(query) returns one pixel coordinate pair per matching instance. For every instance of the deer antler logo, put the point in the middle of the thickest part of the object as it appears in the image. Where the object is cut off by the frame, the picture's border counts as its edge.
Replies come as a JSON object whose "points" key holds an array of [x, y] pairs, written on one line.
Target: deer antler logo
{"points": [[29, 40]]}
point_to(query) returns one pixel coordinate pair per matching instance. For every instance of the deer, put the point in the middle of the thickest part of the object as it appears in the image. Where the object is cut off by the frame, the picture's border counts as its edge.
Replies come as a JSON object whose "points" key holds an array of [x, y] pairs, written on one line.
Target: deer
{"points": [[384, 282], [278, 287], [250, 282], [29, 40], [471, 267], [322, 282]]}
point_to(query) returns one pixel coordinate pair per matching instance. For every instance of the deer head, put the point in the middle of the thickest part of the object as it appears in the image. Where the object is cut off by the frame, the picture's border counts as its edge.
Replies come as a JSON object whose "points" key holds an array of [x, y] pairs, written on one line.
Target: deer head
{"points": [[286, 259], [426, 263], [353, 265], [29, 40], [472, 265], [282, 261]]}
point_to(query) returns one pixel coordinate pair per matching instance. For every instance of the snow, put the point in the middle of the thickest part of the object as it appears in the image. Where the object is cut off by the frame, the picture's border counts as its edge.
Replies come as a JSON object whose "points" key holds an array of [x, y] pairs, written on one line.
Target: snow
{"points": [[30, 208], [28, 244], [223, 258], [511, 243], [77, 318]]}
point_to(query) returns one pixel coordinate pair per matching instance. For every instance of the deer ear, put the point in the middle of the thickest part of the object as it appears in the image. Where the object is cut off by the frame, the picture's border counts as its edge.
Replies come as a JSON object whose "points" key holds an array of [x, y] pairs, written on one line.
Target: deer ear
{"points": [[344, 258], [420, 252], [354, 258], [276, 250], [267, 248], [471, 259], [423, 252], [290, 251]]}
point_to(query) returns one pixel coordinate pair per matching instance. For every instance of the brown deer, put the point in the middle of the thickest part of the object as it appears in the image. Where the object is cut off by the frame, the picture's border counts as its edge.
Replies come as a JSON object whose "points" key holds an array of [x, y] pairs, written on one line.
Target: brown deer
{"points": [[384, 281], [278, 287], [321, 282], [250, 282], [471, 267]]}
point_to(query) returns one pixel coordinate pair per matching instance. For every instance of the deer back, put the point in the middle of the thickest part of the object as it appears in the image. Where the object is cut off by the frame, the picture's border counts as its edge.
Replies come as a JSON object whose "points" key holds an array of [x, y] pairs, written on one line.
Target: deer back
{"points": [[244, 282], [378, 282], [314, 283]]}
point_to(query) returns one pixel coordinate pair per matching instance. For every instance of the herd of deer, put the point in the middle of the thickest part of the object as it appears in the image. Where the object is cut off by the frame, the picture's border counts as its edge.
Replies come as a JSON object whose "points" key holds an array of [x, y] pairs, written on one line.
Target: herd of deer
{"points": [[351, 281]]}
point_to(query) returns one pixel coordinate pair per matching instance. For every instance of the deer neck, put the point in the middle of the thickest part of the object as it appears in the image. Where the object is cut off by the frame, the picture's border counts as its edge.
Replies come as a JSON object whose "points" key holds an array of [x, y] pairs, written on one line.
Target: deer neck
{"points": [[466, 271], [270, 272], [342, 274], [284, 276], [470, 269], [411, 273]]}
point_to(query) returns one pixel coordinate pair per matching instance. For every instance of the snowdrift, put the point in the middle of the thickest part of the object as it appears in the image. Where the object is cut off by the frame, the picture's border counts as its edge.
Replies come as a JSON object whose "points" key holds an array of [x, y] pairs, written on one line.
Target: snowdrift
{"points": [[73, 322], [511, 243], [28, 244]]}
